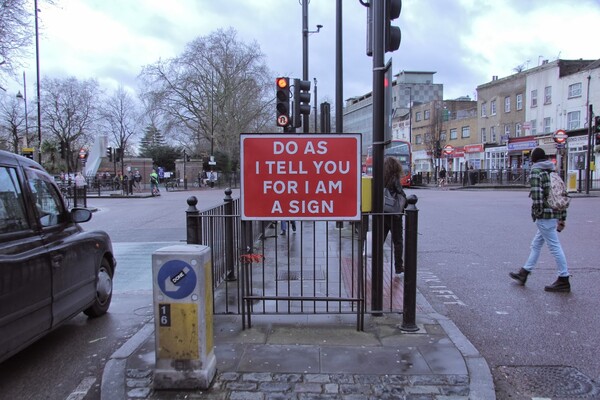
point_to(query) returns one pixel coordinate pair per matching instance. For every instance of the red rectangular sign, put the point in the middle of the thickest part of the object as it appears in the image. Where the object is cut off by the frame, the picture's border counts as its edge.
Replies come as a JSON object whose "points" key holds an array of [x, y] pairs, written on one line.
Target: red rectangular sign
{"points": [[300, 177]]}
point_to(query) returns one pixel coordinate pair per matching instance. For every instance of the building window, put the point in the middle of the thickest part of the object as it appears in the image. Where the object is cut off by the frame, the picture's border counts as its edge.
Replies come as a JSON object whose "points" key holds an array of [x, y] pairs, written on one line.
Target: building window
{"points": [[547, 125], [573, 119], [466, 132], [519, 101], [418, 116], [548, 95], [426, 114], [443, 136], [483, 110], [575, 90], [483, 136], [517, 130], [507, 131], [493, 107], [419, 139], [493, 134], [534, 126], [534, 98], [453, 134], [507, 104]]}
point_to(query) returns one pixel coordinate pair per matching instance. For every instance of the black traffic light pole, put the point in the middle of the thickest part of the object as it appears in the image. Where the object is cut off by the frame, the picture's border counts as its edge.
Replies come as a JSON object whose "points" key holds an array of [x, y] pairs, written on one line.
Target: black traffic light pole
{"points": [[378, 142]]}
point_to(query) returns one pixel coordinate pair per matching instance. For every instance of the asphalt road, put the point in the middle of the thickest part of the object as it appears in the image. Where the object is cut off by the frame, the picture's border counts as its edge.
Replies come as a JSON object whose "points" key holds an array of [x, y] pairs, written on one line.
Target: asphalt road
{"points": [[68, 363], [468, 242]]}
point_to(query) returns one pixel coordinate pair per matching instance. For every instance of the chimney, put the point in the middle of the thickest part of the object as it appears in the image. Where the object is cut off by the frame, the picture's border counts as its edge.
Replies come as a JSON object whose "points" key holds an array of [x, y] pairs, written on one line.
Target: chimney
{"points": [[495, 78]]}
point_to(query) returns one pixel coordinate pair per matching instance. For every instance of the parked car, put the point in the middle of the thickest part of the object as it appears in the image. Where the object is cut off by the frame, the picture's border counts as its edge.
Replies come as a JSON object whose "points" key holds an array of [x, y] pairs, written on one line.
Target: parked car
{"points": [[50, 268]]}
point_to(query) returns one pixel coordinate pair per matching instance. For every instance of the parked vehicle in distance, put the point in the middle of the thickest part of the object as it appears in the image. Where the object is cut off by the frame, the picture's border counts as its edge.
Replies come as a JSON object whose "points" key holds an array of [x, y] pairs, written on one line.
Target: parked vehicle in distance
{"points": [[50, 268]]}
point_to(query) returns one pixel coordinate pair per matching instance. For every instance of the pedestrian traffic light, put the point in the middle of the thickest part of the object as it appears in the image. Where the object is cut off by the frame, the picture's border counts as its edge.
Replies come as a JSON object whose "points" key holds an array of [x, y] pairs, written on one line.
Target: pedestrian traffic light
{"points": [[301, 100], [109, 153], [282, 98], [391, 34]]}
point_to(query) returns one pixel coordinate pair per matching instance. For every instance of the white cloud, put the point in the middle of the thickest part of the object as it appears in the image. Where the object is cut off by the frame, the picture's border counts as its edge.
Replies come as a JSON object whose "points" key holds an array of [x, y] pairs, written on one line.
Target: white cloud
{"points": [[465, 42]]}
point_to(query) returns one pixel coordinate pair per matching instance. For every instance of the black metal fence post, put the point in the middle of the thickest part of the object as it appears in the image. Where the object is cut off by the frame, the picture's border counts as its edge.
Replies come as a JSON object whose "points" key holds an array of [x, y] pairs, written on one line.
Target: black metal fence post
{"points": [[410, 271], [229, 239], [193, 227]]}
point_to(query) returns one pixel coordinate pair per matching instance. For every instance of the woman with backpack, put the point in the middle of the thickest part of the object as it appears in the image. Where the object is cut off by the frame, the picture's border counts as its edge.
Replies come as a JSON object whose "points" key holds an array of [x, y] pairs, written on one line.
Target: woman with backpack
{"points": [[549, 222]]}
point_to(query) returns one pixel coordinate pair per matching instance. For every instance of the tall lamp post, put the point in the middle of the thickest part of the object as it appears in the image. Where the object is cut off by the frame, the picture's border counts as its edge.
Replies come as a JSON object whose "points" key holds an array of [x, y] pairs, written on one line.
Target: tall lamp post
{"points": [[24, 97], [305, 33], [37, 63]]}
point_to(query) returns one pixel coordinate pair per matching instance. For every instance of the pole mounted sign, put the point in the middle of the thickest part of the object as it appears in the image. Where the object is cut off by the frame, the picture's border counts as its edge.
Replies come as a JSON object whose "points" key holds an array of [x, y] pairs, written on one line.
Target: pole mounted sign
{"points": [[448, 149], [560, 136], [300, 177]]}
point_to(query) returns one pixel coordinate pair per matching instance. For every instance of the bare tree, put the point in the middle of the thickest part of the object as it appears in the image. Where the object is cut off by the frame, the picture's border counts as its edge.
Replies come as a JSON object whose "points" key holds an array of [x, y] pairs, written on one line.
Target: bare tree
{"points": [[15, 33], [119, 115], [11, 119], [69, 112], [218, 88]]}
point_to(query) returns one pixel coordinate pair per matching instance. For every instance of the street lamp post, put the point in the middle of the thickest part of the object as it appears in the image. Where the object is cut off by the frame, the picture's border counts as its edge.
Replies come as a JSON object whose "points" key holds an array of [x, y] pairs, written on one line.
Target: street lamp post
{"points": [[37, 63], [24, 97], [305, 33]]}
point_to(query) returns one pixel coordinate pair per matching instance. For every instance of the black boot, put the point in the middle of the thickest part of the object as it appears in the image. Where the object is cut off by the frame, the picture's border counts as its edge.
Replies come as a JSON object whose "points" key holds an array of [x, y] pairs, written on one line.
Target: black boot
{"points": [[560, 285], [520, 276]]}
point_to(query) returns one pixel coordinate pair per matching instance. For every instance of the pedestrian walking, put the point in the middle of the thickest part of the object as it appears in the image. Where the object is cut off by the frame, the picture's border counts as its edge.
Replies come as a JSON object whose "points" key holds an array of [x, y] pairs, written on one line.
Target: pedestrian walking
{"points": [[392, 172], [442, 181], [284, 226], [548, 221]]}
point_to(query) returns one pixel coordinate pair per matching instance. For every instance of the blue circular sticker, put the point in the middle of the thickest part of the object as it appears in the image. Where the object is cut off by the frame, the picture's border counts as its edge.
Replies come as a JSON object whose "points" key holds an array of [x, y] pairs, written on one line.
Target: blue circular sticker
{"points": [[176, 279]]}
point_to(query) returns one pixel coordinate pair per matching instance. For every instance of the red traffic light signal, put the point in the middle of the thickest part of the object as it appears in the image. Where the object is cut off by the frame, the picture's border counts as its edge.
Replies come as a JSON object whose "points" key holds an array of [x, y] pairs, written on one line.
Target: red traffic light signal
{"points": [[282, 98]]}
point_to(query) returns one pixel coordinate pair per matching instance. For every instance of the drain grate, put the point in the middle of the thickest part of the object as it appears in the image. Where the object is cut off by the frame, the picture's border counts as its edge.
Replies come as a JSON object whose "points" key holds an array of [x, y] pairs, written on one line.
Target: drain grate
{"points": [[291, 275], [556, 382]]}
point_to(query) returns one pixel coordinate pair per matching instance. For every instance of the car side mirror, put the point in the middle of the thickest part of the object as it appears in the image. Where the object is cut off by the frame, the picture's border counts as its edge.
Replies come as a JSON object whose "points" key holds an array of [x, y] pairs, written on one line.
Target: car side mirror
{"points": [[80, 215]]}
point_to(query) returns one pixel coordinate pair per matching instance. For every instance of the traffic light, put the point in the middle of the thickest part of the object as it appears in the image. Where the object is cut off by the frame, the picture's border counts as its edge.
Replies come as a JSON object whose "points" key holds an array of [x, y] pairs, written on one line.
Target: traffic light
{"points": [[83, 156], [118, 154], [597, 124], [391, 34], [301, 100], [63, 150], [109, 153], [282, 89]]}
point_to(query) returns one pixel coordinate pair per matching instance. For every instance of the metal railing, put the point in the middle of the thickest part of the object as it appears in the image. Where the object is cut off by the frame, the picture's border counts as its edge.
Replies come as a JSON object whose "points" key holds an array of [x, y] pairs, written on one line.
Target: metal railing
{"points": [[318, 269]]}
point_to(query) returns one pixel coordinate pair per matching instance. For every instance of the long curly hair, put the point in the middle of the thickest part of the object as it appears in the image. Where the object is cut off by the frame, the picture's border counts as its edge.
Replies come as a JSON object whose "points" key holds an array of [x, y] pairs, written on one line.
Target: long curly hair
{"points": [[392, 171]]}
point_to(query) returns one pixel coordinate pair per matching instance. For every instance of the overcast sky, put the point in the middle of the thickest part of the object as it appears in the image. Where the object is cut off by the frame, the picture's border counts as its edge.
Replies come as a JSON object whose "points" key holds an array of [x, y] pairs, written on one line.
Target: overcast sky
{"points": [[465, 42]]}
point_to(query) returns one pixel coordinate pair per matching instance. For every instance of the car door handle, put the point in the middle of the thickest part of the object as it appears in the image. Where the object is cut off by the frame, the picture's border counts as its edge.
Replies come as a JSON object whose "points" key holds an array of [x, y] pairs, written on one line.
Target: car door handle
{"points": [[57, 260]]}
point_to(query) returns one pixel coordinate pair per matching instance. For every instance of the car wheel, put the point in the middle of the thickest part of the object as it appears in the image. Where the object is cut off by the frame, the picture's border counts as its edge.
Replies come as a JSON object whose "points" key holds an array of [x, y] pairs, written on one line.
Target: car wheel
{"points": [[104, 286]]}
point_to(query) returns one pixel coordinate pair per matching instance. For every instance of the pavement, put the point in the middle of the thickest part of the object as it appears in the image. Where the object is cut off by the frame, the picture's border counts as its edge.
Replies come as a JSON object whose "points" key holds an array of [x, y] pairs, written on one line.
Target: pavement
{"points": [[312, 356]]}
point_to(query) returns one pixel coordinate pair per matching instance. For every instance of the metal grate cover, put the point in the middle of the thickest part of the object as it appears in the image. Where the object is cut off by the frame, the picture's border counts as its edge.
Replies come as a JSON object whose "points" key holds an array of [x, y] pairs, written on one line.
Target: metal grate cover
{"points": [[293, 275], [556, 382]]}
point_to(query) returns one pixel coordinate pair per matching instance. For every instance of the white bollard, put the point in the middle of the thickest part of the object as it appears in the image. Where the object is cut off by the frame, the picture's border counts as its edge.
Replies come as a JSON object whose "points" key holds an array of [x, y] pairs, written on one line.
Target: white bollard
{"points": [[183, 318]]}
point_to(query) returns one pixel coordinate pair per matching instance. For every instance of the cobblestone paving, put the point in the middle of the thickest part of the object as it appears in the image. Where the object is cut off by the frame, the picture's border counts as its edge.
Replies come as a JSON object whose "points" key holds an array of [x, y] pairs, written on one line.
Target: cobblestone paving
{"points": [[274, 386]]}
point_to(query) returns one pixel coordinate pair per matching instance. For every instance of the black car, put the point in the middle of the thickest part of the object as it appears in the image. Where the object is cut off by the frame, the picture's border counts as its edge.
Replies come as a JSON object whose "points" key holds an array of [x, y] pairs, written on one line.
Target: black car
{"points": [[50, 268]]}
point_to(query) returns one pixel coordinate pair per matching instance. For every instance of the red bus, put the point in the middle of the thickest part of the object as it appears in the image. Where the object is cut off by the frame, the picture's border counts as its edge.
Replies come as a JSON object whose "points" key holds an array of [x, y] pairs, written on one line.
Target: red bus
{"points": [[399, 149]]}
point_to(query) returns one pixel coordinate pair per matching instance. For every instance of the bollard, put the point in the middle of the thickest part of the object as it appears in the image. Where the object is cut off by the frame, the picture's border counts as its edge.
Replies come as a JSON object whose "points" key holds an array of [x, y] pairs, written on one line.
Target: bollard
{"points": [[410, 267], [183, 319], [193, 234], [229, 239]]}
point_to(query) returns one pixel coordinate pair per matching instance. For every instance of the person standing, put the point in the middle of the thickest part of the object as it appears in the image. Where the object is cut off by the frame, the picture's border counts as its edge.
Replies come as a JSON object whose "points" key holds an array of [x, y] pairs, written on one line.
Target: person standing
{"points": [[392, 172], [548, 221], [154, 183]]}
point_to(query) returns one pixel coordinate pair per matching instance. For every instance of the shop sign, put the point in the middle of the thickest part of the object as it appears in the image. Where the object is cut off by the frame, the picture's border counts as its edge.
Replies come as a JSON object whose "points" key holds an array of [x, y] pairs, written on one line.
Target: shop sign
{"points": [[528, 145]]}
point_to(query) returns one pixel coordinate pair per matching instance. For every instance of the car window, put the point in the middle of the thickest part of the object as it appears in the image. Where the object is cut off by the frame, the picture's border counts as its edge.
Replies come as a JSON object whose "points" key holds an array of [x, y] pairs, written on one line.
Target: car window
{"points": [[12, 207], [47, 198]]}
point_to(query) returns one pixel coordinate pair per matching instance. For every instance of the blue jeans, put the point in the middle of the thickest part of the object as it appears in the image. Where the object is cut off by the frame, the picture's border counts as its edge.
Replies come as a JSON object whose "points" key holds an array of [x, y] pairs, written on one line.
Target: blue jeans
{"points": [[284, 225], [547, 233]]}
